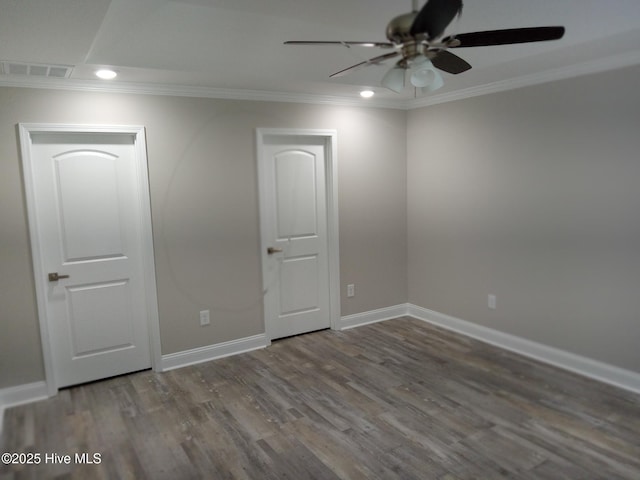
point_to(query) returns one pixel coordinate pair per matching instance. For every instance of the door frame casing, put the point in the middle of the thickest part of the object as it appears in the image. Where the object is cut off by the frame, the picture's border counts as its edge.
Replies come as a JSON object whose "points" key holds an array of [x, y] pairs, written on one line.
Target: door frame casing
{"points": [[137, 132], [331, 189]]}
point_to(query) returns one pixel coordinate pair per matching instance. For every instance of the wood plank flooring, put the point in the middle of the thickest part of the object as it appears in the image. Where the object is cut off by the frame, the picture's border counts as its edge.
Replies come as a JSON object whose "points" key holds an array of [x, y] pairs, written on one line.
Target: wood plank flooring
{"points": [[394, 400]]}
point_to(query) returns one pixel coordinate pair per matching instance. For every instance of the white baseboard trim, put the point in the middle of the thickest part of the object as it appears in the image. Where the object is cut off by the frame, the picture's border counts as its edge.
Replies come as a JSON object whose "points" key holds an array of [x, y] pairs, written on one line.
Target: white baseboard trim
{"points": [[373, 316], [21, 394], [603, 372], [172, 361]]}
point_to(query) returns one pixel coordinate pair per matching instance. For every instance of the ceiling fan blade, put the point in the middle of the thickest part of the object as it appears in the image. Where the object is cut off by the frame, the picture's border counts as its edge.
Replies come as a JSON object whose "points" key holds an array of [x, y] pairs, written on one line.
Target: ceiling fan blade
{"points": [[504, 37], [450, 63], [435, 16], [371, 61], [344, 44]]}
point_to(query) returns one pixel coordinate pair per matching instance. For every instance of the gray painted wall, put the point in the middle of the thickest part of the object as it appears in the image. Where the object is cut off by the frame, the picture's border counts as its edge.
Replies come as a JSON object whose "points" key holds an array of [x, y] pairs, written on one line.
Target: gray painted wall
{"points": [[533, 195], [203, 181]]}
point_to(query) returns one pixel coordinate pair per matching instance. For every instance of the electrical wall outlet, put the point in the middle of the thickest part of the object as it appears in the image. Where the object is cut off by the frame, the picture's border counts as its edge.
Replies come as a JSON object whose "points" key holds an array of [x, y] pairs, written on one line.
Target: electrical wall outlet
{"points": [[205, 318], [491, 302], [351, 290]]}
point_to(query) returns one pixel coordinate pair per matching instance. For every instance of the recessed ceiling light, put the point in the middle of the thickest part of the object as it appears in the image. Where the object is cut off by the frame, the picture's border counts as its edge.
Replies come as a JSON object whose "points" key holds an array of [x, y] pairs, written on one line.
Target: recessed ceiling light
{"points": [[106, 74], [367, 93]]}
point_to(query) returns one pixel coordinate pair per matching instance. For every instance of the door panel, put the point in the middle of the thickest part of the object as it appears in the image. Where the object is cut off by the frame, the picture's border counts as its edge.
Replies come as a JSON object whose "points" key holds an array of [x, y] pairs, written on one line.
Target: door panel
{"points": [[87, 191], [99, 318], [89, 220], [297, 274], [296, 193], [299, 285]]}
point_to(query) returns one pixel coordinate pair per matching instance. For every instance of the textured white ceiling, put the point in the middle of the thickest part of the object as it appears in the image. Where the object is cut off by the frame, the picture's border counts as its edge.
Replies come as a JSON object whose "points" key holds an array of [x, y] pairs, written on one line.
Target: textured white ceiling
{"points": [[237, 44]]}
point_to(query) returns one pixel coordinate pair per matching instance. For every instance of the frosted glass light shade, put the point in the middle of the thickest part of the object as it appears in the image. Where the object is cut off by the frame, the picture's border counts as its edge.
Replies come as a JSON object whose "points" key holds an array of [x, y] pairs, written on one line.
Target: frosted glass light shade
{"points": [[394, 79], [425, 77]]}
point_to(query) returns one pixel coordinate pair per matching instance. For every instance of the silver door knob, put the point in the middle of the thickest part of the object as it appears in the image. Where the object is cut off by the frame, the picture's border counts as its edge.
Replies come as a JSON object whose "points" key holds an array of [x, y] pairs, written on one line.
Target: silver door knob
{"points": [[272, 250], [54, 277]]}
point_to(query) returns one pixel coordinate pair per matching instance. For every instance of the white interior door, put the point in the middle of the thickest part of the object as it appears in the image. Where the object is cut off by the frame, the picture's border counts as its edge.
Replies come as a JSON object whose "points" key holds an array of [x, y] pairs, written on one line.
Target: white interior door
{"points": [[294, 234], [89, 243]]}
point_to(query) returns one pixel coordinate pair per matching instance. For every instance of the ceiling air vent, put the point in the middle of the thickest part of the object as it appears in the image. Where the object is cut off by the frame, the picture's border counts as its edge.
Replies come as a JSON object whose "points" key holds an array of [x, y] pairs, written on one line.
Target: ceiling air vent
{"points": [[35, 69]]}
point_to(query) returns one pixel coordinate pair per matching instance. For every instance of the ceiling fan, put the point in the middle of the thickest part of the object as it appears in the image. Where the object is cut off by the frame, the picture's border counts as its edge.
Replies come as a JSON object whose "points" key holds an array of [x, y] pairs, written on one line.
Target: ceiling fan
{"points": [[415, 38]]}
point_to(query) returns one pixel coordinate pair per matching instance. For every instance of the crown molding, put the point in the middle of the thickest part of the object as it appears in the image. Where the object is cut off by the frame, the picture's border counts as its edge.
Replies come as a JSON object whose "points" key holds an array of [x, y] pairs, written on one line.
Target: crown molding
{"points": [[604, 64], [193, 91]]}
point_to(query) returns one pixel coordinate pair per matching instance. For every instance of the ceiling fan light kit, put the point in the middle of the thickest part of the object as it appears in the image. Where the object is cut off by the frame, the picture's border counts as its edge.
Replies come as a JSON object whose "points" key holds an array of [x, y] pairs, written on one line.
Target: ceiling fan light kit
{"points": [[422, 75], [427, 78], [414, 38]]}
